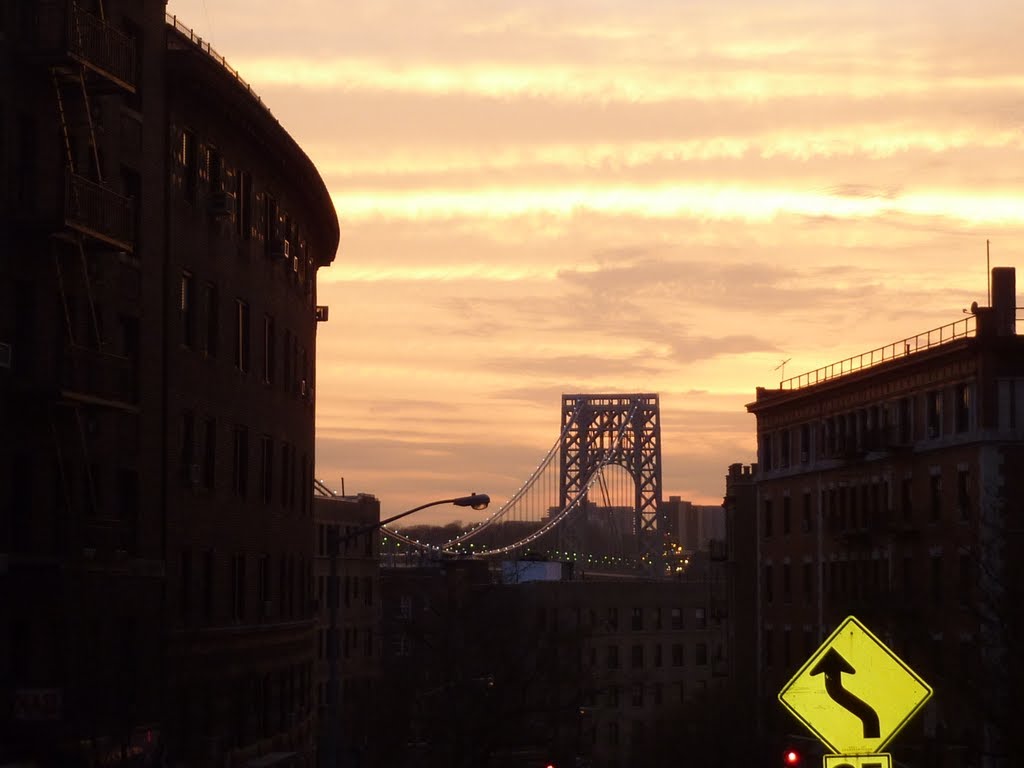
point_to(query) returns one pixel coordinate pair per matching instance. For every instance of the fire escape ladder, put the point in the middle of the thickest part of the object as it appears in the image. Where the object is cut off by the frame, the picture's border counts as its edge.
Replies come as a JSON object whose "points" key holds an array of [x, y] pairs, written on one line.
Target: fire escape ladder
{"points": [[92, 128], [65, 130], [90, 481], [88, 294]]}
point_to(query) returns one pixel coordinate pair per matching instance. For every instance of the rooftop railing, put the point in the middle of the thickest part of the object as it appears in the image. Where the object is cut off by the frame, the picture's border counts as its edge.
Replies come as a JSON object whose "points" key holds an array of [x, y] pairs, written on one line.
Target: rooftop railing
{"points": [[961, 329], [204, 46]]}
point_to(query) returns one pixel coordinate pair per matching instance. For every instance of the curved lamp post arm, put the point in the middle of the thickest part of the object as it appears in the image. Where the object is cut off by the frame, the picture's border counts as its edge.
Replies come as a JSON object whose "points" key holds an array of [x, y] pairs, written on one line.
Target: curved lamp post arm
{"points": [[474, 500]]}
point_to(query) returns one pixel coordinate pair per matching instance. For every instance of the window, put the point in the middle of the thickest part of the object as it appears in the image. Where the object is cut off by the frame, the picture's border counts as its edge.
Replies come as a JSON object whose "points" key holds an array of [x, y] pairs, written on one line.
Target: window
{"points": [[768, 518], [963, 408], [657, 655], [934, 400], [784, 449], [186, 586], [209, 453], [211, 320], [263, 582], [242, 336], [240, 460], [268, 349], [786, 515], [805, 443], [700, 654], [613, 618], [963, 493], [677, 618], [267, 468], [187, 310], [286, 473], [187, 157], [907, 502], [766, 452], [808, 582], [637, 695], [936, 579], [188, 445], [637, 619], [612, 657], [767, 648], [677, 654], [700, 618], [786, 650], [806, 521], [657, 618], [936, 497], [208, 563], [965, 578], [787, 594], [287, 381], [769, 586], [243, 205], [238, 587], [637, 657]]}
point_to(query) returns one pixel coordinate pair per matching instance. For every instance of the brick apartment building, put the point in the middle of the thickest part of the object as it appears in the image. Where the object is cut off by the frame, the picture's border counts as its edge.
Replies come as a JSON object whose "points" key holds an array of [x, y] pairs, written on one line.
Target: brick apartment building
{"points": [[356, 619], [890, 487], [157, 337]]}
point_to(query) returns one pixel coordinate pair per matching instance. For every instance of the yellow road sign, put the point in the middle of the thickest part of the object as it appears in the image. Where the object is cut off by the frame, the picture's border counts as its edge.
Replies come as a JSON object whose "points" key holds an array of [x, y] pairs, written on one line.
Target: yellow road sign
{"points": [[858, 761], [853, 692]]}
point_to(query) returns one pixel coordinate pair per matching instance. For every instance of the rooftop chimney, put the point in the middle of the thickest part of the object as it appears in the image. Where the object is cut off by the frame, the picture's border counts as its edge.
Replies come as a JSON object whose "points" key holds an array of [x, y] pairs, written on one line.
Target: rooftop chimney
{"points": [[1004, 300]]}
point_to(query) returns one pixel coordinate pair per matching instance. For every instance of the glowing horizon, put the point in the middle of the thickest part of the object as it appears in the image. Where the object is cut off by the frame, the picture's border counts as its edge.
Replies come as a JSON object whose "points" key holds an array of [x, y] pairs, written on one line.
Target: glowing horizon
{"points": [[649, 197]]}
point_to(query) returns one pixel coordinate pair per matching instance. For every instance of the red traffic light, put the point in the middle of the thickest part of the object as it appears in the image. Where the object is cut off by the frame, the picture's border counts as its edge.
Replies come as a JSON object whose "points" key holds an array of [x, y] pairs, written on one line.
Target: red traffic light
{"points": [[792, 757]]}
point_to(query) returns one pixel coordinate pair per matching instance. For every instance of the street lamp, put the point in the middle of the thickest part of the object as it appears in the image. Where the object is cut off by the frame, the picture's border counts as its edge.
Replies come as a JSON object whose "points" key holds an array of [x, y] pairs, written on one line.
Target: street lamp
{"points": [[329, 753]]}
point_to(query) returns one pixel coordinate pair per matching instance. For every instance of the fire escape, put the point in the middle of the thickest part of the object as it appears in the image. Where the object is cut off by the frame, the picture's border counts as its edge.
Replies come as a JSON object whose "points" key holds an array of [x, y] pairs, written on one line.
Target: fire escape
{"points": [[92, 243]]}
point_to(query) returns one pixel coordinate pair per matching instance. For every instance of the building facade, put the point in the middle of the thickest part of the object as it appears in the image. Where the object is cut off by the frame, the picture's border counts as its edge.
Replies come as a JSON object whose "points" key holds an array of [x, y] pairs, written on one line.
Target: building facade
{"points": [[158, 321], [353, 619], [889, 487]]}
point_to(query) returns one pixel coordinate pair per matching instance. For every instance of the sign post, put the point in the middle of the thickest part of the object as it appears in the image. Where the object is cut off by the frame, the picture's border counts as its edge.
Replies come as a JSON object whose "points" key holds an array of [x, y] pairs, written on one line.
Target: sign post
{"points": [[855, 695]]}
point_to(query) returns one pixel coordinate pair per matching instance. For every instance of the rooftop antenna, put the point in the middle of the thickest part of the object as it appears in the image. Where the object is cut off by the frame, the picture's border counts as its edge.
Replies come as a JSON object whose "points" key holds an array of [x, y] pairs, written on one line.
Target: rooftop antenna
{"points": [[782, 367], [988, 272]]}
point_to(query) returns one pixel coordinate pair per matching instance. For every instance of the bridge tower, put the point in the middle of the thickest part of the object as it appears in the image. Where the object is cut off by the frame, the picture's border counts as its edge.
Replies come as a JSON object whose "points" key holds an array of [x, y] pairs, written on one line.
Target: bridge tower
{"points": [[591, 425]]}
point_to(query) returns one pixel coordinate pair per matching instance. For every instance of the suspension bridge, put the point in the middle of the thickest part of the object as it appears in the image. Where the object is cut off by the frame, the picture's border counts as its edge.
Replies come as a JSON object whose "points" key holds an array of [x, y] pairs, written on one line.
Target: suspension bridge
{"points": [[595, 496]]}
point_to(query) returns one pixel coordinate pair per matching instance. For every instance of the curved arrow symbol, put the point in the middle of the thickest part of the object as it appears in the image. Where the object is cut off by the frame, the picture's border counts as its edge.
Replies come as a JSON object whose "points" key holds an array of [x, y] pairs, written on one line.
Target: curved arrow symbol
{"points": [[833, 665]]}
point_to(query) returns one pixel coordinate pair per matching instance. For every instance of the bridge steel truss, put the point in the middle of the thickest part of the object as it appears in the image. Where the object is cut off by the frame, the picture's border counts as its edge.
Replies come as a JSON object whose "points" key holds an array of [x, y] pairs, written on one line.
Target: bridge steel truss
{"points": [[591, 427]]}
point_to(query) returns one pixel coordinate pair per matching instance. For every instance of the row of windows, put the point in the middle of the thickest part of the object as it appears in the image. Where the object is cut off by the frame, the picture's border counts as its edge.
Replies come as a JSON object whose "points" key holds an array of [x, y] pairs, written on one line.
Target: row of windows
{"points": [[639, 694], [874, 428], [246, 710], [253, 214], [253, 593], [355, 641], [639, 657], [200, 322], [641, 619], [777, 647], [851, 506], [860, 579], [289, 484], [348, 544], [353, 588]]}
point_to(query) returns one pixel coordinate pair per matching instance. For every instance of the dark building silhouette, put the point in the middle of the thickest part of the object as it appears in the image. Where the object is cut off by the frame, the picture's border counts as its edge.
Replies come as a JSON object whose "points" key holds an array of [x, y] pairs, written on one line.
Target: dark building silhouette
{"points": [[356, 620], [889, 487], [157, 336]]}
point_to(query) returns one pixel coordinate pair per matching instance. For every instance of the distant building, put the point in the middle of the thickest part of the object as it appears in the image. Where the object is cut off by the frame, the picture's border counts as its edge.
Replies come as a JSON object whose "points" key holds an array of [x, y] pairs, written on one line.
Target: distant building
{"points": [[693, 525], [889, 486], [356, 616], [157, 344], [598, 672]]}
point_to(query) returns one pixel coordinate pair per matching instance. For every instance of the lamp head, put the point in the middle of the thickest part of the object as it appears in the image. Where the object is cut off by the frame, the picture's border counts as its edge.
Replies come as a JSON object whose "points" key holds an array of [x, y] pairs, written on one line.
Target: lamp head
{"points": [[476, 501]]}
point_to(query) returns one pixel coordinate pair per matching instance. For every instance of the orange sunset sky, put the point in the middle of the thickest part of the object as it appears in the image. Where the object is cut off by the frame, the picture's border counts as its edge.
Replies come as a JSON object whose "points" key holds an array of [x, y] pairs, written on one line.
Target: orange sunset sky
{"points": [[563, 196]]}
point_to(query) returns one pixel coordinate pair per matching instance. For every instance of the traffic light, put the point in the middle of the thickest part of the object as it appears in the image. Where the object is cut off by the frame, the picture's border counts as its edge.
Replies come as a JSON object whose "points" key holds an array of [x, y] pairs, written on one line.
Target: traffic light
{"points": [[791, 758]]}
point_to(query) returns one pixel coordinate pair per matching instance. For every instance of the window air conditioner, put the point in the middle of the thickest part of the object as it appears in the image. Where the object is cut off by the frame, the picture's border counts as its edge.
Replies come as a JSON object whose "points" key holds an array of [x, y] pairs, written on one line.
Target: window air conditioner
{"points": [[280, 249], [295, 264], [222, 204]]}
